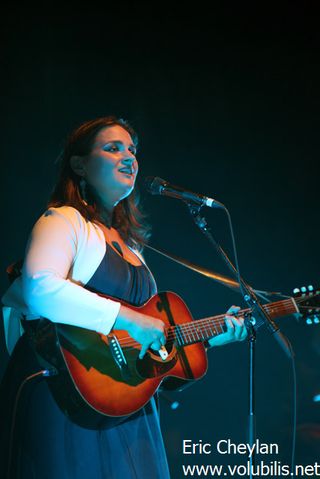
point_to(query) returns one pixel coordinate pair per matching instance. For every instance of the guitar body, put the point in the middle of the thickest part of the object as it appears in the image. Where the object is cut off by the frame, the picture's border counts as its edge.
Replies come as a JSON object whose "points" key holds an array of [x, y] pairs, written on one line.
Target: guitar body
{"points": [[100, 379]]}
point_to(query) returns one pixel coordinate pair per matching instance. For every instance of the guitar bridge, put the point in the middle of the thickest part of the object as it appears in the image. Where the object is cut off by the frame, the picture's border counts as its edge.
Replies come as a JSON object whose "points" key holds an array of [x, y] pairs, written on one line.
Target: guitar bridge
{"points": [[118, 356]]}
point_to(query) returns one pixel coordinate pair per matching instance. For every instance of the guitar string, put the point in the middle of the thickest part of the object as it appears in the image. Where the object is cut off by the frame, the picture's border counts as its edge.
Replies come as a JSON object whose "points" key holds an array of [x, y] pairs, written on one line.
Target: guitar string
{"points": [[172, 335], [192, 328]]}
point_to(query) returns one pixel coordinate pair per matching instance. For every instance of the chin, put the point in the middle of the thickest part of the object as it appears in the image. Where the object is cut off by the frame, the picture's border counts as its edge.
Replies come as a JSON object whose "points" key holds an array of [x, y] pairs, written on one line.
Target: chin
{"points": [[126, 192]]}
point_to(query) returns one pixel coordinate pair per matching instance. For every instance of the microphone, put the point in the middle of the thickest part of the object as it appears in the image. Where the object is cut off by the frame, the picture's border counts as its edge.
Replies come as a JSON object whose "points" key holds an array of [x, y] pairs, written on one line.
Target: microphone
{"points": [[158, 186]]}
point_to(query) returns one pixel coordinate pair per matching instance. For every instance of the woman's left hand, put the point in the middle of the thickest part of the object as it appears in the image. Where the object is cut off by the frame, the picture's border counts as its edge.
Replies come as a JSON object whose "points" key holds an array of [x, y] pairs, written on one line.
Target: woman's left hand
{"points": [[236, 330]]}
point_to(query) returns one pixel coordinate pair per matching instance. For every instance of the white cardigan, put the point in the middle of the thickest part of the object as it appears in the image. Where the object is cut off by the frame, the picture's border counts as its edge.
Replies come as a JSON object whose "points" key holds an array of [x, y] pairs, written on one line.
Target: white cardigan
{"points": [[62, 254]]}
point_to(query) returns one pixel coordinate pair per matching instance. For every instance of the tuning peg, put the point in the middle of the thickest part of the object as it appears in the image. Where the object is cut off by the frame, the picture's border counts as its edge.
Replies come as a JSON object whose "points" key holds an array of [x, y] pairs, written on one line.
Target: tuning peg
{"points": [[310, 287], [313, 320], [296, 291], [303, 289]]}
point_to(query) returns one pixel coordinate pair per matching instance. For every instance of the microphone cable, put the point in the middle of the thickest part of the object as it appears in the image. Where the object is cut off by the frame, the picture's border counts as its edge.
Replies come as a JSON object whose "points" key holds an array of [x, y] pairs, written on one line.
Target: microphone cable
{"points": [[42, 373]]}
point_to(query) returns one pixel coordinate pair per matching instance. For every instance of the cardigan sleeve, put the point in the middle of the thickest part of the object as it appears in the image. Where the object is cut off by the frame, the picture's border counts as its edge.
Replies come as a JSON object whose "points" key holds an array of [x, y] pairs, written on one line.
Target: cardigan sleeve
{"points": [[47, 288]]}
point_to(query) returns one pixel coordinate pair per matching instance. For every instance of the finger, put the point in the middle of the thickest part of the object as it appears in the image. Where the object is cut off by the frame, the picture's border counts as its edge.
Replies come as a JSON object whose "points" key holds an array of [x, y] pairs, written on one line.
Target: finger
{"points": [[244, 333], [143, 351], [237, 323], [240, 331], [233, 309], [156, 345], [229, 324]]}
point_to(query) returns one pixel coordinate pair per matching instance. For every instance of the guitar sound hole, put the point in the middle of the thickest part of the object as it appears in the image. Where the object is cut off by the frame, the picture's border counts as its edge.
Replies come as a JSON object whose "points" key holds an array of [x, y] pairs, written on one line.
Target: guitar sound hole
{"points": [[152, 365]]}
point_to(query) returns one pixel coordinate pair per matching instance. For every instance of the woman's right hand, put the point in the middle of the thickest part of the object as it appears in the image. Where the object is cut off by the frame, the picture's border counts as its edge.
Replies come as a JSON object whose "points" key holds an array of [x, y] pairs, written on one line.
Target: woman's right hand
{"points": [[146, 330]]}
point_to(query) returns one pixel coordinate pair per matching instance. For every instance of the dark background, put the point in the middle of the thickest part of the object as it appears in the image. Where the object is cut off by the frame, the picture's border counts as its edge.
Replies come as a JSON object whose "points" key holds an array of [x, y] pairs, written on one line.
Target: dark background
{"points": [[226, 103]]}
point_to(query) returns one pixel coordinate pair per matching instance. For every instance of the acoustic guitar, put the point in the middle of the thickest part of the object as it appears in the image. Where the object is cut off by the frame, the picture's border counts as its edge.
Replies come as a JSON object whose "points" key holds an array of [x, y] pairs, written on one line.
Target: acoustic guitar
{"points": [[100, 379]]}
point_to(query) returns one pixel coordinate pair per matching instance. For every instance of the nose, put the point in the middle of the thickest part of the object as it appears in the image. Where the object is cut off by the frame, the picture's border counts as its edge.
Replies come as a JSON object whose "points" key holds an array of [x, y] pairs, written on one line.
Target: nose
{"points": [[129, 158]]}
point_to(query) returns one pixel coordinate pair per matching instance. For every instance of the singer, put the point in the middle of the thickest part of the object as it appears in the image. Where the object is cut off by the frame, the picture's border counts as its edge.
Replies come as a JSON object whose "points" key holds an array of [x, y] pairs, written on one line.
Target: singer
{"points": [[88, 241]]}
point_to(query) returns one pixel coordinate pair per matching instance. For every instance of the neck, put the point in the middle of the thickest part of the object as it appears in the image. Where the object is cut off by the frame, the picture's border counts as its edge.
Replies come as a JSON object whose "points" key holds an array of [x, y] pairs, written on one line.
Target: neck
{"points": [[106, 216], [105, 209]]}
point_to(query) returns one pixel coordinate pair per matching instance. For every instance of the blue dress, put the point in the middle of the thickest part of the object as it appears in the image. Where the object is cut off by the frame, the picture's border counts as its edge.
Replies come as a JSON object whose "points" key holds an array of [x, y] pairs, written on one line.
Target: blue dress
{"points": [[47, 445]]}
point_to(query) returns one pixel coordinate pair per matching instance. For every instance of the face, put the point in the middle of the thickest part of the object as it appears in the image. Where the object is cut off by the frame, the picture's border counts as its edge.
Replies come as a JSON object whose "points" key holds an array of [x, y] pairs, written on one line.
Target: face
{"points": [[111, 167]]}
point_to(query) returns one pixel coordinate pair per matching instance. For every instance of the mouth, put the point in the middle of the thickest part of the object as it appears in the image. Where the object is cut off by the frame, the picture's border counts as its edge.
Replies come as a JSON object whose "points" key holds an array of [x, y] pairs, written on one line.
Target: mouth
{"points": [[127, 171]]}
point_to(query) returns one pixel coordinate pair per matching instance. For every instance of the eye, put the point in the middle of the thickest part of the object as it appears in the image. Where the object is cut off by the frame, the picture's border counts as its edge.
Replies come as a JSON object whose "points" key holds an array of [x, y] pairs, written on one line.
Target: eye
{"points": [[111, 148]]}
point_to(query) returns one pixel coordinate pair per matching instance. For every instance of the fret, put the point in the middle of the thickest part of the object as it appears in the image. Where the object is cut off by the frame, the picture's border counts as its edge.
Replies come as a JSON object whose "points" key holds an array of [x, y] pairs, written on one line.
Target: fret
{"points": [[202, 335], [186, 335], [194, 332], [178, 335], [202, 329], [212, 334]]}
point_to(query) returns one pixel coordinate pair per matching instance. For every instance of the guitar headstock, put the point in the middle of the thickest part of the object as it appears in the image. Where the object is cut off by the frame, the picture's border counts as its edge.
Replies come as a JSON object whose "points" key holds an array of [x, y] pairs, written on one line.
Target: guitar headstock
{"points": [[308, 302]]}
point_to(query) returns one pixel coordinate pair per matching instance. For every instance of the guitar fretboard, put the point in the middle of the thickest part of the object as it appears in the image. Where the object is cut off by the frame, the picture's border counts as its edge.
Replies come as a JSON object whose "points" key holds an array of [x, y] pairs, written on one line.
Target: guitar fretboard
{"points": [[203, 329]]}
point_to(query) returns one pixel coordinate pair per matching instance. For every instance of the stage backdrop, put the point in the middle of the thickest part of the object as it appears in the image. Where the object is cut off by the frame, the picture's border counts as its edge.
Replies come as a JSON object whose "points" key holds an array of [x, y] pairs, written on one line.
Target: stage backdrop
{"points": [[226, 104]]}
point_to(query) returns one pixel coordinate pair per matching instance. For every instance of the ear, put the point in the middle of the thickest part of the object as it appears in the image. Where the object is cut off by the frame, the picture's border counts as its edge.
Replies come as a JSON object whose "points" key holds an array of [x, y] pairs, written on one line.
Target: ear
{"points": [[77, 164]]}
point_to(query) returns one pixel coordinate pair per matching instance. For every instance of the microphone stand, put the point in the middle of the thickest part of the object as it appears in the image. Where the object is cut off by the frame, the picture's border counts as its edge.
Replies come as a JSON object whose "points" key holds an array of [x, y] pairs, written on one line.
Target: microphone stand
{"points": [[251, 299]]}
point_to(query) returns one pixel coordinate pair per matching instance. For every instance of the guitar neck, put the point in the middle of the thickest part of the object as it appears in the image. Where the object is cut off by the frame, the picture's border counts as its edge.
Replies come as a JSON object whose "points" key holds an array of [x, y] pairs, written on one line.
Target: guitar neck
{"points": [[203, 329]]}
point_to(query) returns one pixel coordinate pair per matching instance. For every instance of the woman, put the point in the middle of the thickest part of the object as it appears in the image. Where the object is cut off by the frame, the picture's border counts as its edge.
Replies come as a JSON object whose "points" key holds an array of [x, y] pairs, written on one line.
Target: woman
{"points": [[89, 241]]}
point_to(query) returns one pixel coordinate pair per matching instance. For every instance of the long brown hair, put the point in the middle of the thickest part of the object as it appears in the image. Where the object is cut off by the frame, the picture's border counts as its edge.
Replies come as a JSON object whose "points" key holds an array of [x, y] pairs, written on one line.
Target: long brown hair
{"points": [[128, 217]]}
